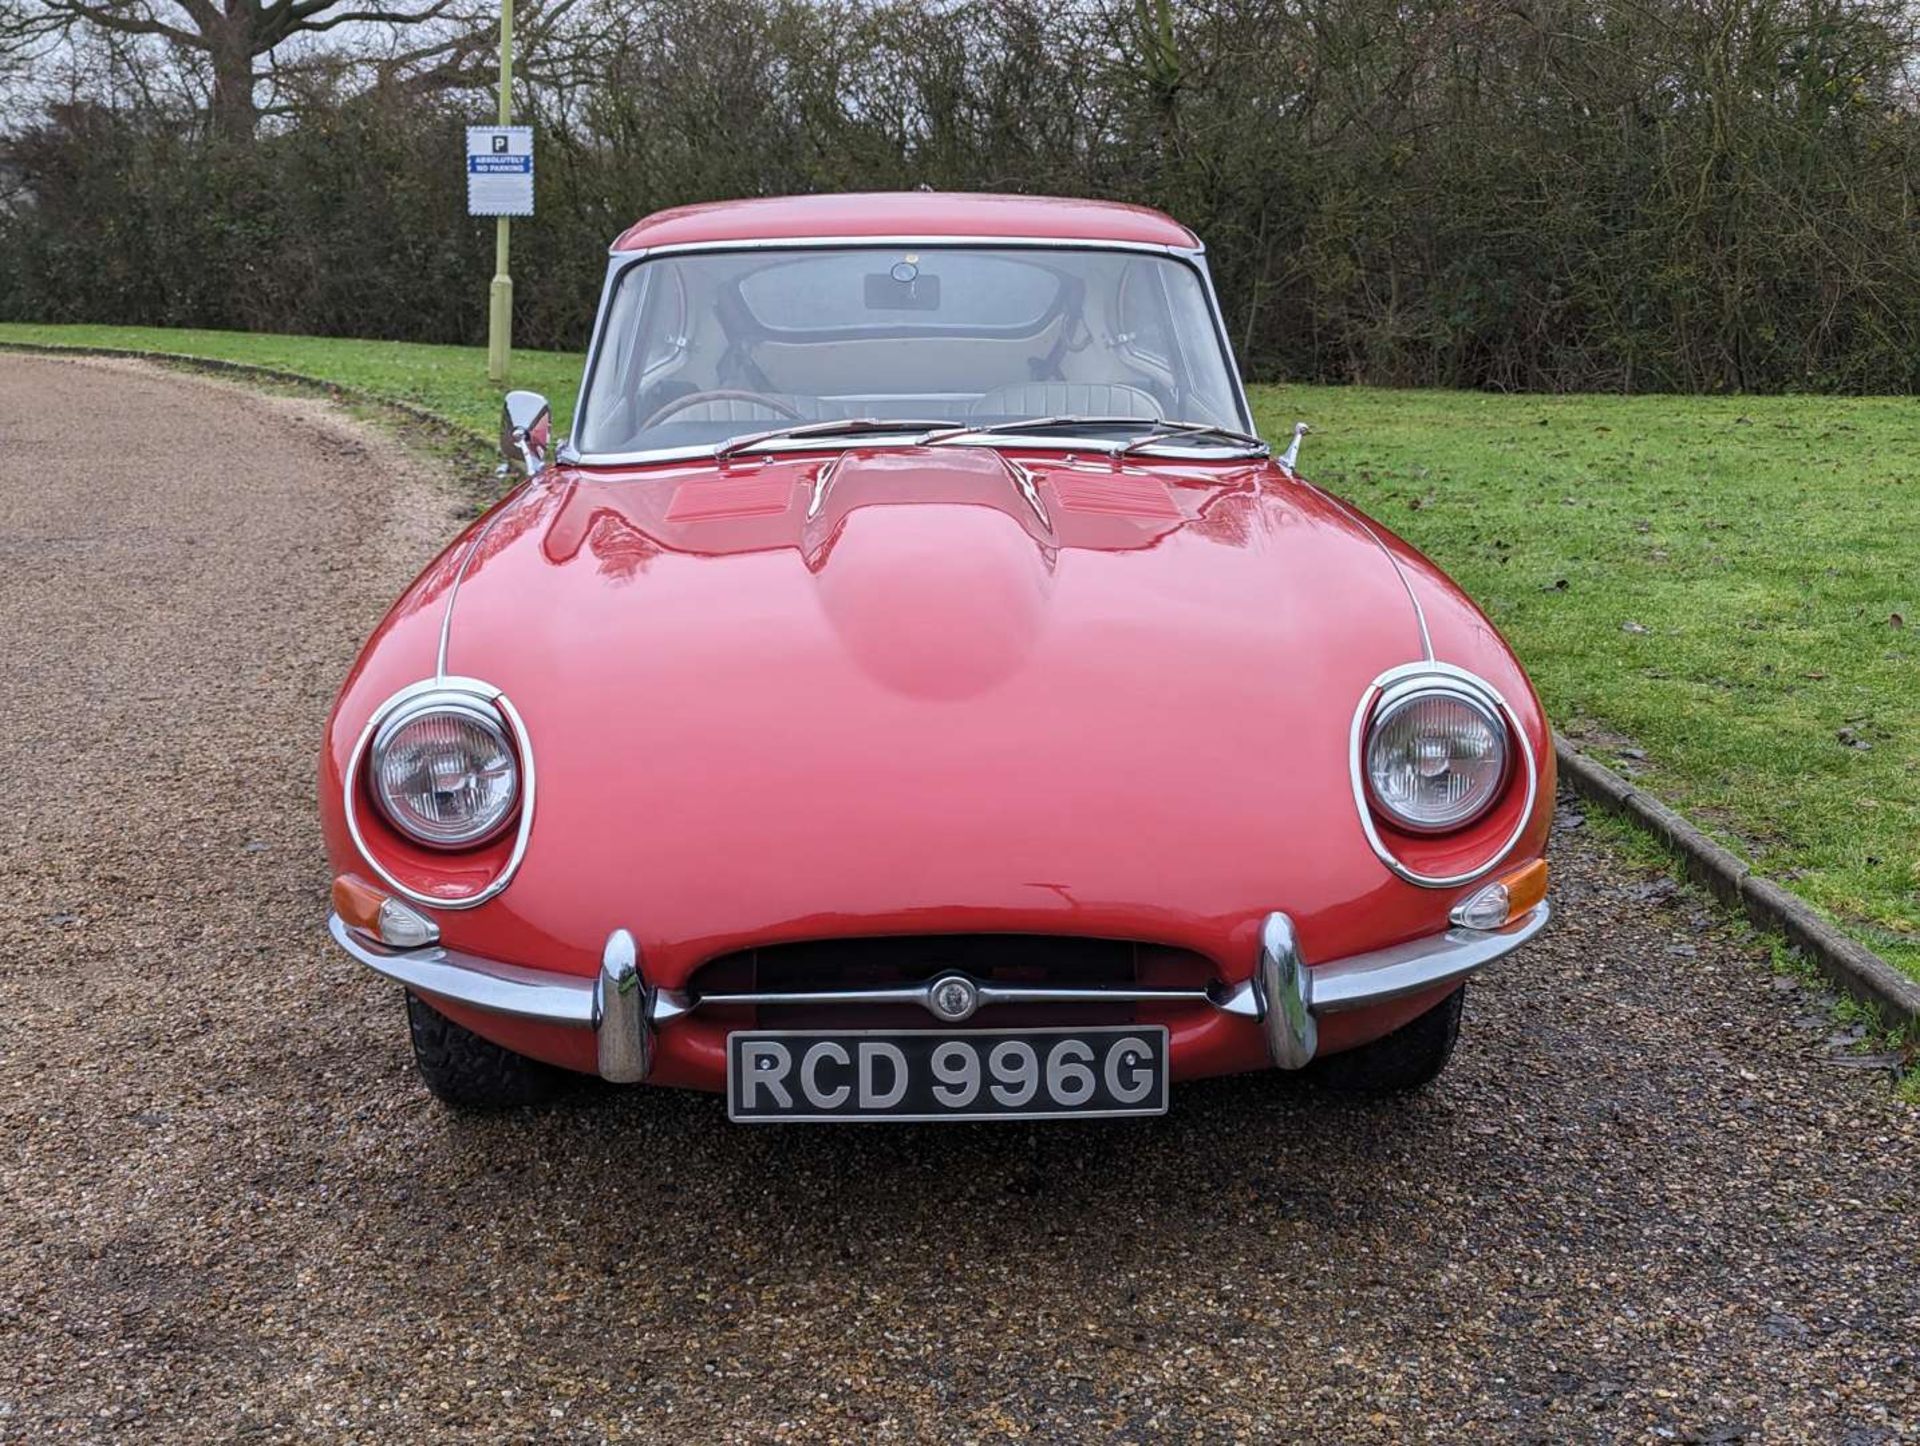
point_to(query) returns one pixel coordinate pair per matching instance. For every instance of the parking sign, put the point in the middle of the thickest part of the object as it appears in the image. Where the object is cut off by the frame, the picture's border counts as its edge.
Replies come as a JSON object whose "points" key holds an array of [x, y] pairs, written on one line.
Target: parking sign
{"points": [[499, 170]]}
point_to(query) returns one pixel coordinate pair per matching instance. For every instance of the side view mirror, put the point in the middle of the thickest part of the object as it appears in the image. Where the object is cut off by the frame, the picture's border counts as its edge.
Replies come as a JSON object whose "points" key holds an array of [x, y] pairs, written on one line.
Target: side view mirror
{"points": [[1292, 455], [526, 430]]}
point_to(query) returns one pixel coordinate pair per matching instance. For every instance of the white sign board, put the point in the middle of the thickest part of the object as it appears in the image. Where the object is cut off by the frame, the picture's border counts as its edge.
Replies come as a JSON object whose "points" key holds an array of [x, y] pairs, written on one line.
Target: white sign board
{"points": [[499, 170]]}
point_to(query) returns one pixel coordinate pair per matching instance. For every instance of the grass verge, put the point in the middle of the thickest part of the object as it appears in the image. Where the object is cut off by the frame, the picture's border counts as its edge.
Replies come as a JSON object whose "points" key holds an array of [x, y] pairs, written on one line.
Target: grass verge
{"points": [[1718, 596], [450, 381]]}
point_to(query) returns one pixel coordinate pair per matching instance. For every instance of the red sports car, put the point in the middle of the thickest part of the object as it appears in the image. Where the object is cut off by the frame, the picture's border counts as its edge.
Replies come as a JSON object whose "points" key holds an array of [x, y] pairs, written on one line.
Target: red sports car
{"points": [[914, 692]]}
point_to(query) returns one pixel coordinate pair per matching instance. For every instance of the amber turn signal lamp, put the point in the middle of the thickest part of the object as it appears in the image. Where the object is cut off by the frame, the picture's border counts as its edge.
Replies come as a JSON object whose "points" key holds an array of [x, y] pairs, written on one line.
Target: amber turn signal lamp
{"points": [[1504, 900], [358, 904], [1525, 888], [366, 910]]}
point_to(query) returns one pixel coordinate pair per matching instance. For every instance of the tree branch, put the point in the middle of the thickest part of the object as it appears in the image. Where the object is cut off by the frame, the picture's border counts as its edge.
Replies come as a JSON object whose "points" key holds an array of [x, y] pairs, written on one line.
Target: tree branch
{"points": [[301, 10], [121, 19]]}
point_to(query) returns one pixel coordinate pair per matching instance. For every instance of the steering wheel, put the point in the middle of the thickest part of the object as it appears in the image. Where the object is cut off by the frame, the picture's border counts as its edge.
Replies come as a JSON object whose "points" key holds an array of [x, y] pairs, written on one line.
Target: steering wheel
{"points": [[724, 394]]}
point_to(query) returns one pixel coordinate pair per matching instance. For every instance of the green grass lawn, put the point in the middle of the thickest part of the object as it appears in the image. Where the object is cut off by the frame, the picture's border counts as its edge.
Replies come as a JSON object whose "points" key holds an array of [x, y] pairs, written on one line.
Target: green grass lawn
{"points": [[449, 380], [1720, 596]]}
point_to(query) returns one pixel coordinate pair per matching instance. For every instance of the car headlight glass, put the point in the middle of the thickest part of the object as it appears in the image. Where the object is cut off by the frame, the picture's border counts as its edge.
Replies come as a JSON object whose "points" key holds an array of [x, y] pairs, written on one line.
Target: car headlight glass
{"points": [[444, 773], [1435, 758]]}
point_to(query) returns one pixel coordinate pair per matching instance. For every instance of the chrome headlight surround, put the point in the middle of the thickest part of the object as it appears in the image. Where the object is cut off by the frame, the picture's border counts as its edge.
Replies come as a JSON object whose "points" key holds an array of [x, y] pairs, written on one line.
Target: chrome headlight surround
{"points": [[482, 703], [479, 721], [1397, 685], [1410, 694]]}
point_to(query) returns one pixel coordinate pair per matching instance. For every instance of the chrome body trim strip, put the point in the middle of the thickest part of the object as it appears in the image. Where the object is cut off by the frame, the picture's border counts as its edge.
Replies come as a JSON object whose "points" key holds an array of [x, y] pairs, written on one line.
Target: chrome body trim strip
{"points": [[1356, 767], [1285, 994], [619, 261], [1393, 973], [467, 689], [536, 994], [460, 575], [1360, 520], [928, 996]]}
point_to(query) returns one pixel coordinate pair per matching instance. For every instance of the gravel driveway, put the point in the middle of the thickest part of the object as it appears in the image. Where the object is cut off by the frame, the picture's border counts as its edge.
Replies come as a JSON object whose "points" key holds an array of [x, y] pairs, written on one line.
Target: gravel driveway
{"points": [[1645, 1203]]}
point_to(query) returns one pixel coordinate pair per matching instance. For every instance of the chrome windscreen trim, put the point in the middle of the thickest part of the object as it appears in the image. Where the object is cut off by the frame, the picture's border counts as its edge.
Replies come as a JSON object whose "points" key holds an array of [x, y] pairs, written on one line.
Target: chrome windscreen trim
{"points": [[1197, 258], [1356, 764], [1000, 442], [619, 261], [466, 690]]}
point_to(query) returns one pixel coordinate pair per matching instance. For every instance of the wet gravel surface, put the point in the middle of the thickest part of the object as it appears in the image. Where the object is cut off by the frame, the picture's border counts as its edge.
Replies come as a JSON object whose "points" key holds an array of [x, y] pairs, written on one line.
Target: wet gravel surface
{"points": [[1647, 1202]]}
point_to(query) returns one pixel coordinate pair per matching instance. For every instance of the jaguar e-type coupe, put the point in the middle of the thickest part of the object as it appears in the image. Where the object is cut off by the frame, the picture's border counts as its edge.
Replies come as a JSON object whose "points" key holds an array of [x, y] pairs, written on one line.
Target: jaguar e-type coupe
{"points": [[913, 691]]}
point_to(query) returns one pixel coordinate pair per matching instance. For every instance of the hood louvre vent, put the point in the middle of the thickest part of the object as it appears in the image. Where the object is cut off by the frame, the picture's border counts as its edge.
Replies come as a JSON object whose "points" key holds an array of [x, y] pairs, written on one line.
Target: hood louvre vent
{"points": [[753, 497], [1116, 496]]}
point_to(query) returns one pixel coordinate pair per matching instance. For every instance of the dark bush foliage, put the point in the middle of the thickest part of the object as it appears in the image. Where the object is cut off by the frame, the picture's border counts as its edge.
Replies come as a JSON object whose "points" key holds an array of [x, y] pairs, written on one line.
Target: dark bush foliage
{"points": [[1632, 194]]}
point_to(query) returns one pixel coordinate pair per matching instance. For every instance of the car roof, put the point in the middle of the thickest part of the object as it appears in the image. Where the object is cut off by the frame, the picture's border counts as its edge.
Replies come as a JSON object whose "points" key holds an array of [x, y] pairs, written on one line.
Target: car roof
{"points": [[906, 215]]}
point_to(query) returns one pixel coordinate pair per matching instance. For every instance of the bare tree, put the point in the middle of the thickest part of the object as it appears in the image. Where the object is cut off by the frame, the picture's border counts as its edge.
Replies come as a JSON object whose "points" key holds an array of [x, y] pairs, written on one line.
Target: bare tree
{"points": [[234, 42]]}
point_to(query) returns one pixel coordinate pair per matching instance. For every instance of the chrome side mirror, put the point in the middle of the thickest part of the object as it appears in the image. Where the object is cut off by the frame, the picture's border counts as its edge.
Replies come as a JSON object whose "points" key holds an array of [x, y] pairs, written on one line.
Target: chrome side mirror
{"points": [[1291, 456], [526, 431]]}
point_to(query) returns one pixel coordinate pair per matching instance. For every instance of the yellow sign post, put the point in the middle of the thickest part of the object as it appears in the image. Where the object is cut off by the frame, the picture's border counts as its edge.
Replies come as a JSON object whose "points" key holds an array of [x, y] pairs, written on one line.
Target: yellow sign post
{"points": [[500, 298]]}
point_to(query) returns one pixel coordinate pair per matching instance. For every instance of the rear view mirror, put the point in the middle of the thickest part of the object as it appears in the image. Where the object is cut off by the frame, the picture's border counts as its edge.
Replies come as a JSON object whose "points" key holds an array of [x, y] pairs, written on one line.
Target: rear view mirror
{"points": [[905, 288]]}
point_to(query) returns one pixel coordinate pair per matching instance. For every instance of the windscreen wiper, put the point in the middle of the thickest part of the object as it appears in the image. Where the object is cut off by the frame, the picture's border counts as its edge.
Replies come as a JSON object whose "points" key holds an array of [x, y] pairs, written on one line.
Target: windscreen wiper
{"points": [[1168, 431], [834, 427], [1160, 430], [948, 432]]}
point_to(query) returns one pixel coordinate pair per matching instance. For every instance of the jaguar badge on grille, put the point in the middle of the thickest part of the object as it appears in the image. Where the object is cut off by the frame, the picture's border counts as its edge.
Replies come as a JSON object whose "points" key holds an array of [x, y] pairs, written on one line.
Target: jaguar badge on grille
{"points": [[953, 998]]}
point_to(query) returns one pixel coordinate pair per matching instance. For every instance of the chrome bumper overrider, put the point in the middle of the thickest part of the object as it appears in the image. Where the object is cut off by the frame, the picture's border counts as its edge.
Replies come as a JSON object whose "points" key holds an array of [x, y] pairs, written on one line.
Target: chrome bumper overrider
{"points": [[1286, 995]]}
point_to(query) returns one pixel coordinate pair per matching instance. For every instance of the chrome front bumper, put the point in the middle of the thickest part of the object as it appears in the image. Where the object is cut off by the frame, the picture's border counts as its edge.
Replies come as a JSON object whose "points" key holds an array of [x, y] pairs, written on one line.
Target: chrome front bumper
{"points": [[1286, 995]]}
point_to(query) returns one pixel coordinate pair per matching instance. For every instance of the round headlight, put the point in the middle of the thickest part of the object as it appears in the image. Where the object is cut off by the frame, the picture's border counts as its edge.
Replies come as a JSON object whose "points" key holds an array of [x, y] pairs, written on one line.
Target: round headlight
{"points": [[1436, 757], [444, 773]]}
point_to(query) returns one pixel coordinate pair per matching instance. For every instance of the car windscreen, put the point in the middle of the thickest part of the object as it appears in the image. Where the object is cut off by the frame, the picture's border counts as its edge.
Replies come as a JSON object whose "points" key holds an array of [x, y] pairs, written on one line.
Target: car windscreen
{"points": [[700, 347]]}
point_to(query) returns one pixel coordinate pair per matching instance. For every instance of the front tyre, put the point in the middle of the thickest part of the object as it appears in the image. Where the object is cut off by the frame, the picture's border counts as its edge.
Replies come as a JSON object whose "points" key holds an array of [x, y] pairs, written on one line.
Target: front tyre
{"points": [[471, 1073], [1412, 1056]]}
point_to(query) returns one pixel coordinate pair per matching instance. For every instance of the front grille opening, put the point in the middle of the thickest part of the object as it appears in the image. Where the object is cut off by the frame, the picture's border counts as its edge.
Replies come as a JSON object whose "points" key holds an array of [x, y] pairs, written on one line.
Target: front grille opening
{"points": [[821, 964]]}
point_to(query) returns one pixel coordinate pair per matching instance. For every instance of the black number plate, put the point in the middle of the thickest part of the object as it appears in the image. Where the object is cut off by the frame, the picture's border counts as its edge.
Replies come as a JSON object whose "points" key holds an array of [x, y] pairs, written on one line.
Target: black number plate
{"points": [[775, 1075]]}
